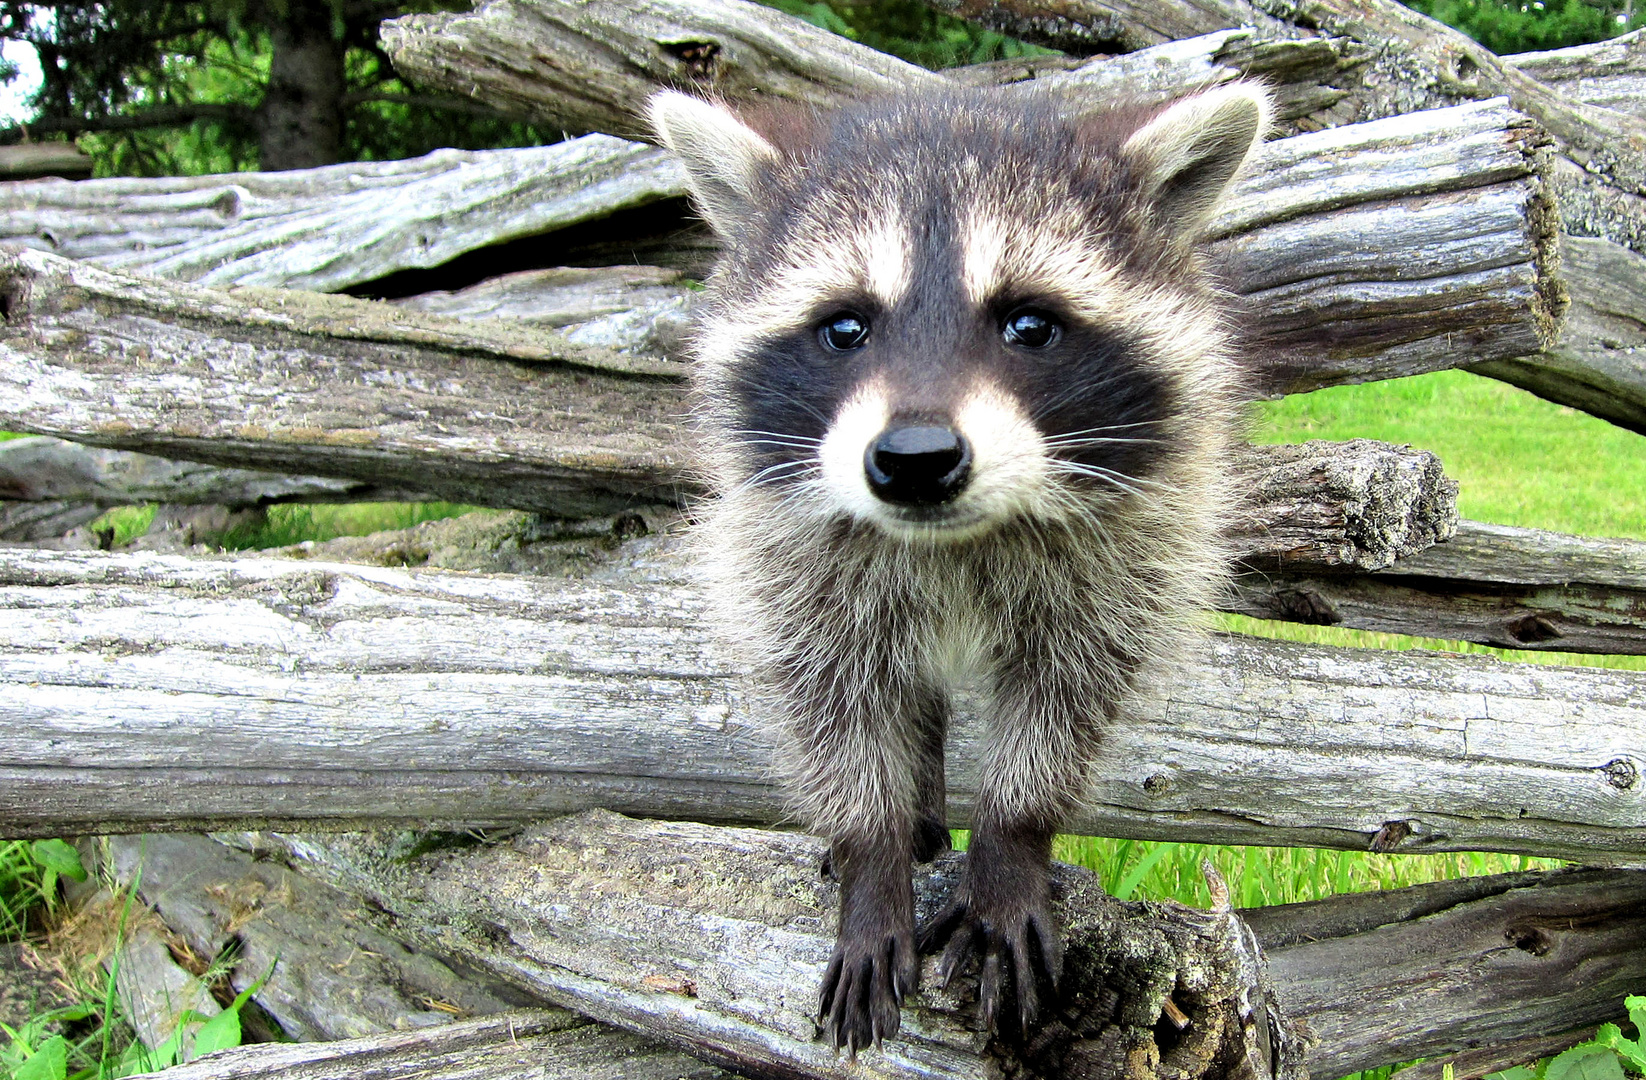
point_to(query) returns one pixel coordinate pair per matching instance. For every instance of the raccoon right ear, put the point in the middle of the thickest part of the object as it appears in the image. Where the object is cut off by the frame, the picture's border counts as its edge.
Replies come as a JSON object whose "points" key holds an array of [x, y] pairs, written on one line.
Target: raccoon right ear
{"points": [[722, 155], [1189, 154]]}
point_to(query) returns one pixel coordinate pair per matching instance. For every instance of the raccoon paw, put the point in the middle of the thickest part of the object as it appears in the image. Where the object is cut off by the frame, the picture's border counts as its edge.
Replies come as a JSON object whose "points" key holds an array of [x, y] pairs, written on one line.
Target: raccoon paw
{"points": [[1018, 949], [864, 987]]}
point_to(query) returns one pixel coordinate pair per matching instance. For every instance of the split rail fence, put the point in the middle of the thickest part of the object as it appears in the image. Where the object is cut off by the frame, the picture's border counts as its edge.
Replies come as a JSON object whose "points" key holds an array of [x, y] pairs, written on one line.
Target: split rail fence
{"points": [[190, 342]]}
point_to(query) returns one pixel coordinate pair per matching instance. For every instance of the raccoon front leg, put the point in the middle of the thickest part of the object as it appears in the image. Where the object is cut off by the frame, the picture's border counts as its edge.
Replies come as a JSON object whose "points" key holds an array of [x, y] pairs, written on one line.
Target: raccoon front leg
{"points": [[1037, 759], [858, 738]]}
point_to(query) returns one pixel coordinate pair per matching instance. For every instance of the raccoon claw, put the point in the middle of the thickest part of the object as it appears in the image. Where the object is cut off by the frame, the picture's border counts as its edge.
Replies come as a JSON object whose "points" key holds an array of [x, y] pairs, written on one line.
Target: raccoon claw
{"points": [[1018, 952], [863, 992]]}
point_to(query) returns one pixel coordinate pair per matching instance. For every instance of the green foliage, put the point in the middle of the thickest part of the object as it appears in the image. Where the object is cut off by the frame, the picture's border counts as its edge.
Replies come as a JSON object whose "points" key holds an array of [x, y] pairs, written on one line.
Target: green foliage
{"points": [[1607, 1056], [29, 876], [909, 30], [1512, 26], [201, 67]]}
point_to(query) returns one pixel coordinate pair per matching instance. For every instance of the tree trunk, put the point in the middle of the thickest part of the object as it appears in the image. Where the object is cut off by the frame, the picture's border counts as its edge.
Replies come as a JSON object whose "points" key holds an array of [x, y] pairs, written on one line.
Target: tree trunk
{"points": [[300, 120]]}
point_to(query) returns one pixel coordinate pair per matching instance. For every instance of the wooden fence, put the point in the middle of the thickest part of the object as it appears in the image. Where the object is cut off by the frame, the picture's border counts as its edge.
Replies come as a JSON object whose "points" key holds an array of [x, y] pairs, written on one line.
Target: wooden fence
{"points": [[1428, 206]]}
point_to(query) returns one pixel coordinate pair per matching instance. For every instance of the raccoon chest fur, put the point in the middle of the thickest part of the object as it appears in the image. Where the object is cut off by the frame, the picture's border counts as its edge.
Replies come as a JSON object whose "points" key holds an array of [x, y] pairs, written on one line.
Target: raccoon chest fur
{"points": [[967, 399]]}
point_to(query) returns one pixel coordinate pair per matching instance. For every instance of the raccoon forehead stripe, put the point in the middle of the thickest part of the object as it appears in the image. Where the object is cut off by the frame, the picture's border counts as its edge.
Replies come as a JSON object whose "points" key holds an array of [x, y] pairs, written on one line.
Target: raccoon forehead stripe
{"points": [[1040, 257], [867, 251]]}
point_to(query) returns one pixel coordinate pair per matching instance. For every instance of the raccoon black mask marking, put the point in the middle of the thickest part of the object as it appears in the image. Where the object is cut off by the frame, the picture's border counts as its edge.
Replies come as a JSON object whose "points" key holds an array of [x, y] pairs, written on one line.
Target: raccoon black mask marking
{"points": [[967, 398]]}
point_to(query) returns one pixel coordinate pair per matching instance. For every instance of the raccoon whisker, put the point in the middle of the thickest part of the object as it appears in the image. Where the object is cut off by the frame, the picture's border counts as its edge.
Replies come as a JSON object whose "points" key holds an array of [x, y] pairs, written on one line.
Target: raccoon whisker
{"points": [[1097, 472], [778, 443], [783, 470], [1105, 427], [1068, 442], [1078, 392], [787, 436]]}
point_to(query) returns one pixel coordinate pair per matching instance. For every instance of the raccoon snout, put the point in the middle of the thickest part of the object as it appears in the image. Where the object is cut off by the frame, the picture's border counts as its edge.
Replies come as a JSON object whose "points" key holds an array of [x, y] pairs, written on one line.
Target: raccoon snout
{"points": [[918, 465]]}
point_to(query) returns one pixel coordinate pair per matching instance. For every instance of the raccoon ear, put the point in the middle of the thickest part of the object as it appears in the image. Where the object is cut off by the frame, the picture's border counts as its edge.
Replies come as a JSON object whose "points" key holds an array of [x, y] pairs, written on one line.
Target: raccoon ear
{"points": [[1188, 155], [722, 155]]}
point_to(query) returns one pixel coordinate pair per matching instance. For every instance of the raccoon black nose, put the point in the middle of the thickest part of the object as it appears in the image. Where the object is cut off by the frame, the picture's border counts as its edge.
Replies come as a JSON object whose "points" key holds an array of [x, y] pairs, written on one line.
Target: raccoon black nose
{"points": [[918, 465]]}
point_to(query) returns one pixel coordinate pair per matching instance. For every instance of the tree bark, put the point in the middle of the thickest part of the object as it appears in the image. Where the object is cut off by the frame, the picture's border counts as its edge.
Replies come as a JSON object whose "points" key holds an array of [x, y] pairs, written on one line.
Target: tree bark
{"points": [[1491, 584], [151, 692], [652, 925], [333, 228], [300, 119]]}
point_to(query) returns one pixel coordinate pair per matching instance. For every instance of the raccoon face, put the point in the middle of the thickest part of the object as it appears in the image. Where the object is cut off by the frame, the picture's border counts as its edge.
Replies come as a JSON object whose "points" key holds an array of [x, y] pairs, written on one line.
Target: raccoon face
{"points": [[939, 313]]}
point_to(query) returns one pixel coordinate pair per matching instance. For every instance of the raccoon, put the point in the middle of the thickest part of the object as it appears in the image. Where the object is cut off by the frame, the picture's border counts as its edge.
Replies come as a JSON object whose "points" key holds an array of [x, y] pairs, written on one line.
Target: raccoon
{"points": [[967, 395]]}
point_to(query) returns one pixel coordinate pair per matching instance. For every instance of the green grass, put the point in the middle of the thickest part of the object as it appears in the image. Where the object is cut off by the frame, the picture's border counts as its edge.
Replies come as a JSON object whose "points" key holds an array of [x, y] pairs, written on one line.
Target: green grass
{"points": [[296, 522], [1519, 460]]}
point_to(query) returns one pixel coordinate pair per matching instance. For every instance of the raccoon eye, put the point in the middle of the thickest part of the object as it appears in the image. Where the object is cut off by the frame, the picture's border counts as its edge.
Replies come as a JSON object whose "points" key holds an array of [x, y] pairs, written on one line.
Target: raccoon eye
{"points": [[844, 332], [1030, 328]]}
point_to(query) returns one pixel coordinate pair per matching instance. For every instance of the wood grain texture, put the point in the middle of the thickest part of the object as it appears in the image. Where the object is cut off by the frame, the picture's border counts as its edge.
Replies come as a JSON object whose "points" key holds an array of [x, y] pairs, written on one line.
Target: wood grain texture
{"points": [[323, 965], [1491, 584], [522, 1045], [585, 910], [329, 228], [155, 692], [303, 383], [1611, 74], [633, 309]]}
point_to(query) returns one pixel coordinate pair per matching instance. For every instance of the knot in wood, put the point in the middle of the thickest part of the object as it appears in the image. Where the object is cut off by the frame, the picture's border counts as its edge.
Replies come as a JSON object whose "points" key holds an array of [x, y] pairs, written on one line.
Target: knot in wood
{"points": [[698, 57], [1621, 773]]}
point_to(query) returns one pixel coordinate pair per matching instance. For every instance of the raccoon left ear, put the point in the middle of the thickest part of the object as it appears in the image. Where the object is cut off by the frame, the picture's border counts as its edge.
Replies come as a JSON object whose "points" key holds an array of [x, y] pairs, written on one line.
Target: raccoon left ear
{"points": [[722, 154], [1188, 155]]}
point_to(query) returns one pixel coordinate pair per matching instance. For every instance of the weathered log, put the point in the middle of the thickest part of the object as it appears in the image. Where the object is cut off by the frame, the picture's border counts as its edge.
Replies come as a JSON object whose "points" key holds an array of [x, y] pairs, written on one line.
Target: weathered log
{"points": [[654, 926], [1491, 584], [333, 386], [276, 691], [1311, 78], [43, 469], [1361, 504], [641, 309], [542, 1044], [155, 991], [29, 161], [1599, 363], [299, 382], [340, 225], [1611, 74], [1479, 1062], [1415, 62], [1461, 963], [591, 66], [714, 940], [52, 522], [322, 966]]}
